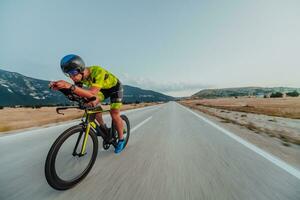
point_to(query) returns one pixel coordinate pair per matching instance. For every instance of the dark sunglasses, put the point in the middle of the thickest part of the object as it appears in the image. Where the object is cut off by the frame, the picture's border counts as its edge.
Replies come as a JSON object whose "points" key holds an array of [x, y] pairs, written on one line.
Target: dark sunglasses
{"points": [[72, 72]]}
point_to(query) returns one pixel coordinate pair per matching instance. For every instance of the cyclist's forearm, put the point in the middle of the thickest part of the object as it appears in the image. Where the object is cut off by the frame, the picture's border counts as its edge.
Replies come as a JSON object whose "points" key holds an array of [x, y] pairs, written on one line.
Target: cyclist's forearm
{"points": [[83, 93]]}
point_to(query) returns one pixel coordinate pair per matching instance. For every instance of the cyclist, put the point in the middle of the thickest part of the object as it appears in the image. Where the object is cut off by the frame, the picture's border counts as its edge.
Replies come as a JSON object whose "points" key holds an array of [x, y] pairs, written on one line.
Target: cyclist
{"points": [[97, 82]]}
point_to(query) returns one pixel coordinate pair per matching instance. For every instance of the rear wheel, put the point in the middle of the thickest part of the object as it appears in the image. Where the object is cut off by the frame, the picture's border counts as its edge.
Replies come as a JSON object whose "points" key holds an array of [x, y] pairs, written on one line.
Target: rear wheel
{"points": [[65, 166], [126, 130]]}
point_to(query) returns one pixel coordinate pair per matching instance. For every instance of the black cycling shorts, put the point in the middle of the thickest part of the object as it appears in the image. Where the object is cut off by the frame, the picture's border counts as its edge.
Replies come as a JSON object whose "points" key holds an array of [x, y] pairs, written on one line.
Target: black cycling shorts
{"points": [[115, 93]]}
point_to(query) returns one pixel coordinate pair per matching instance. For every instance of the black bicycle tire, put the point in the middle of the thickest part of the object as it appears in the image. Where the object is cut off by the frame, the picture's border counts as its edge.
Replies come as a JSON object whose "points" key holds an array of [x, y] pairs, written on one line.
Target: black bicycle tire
{"points": [[50, 172]]}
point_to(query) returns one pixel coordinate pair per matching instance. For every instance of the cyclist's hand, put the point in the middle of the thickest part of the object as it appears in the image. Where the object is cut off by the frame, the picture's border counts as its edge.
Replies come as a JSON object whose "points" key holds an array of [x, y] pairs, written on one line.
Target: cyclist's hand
{"points": [[52, 85], [94, 103], [61, 84]]}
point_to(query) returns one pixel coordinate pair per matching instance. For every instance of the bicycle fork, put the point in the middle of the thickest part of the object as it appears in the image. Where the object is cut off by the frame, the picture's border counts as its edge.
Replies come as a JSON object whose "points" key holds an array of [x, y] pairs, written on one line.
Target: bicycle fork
{"points": [[83, 146]]}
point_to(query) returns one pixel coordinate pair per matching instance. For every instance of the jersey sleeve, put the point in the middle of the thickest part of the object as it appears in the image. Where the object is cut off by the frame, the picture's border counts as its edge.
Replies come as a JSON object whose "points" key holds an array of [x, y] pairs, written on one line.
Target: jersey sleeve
{"points": [[98, 77]]}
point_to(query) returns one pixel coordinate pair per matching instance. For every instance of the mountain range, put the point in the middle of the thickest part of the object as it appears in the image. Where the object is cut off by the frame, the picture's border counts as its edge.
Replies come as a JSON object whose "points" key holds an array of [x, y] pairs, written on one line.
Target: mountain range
{"points": [[242, 91], [17, 89]]}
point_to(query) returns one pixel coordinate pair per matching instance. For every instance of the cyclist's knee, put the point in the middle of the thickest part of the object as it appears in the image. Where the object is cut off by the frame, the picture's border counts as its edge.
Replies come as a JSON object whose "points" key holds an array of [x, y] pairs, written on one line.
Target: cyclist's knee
{"points": [[115, 113], [99, 118], [99, 114]]}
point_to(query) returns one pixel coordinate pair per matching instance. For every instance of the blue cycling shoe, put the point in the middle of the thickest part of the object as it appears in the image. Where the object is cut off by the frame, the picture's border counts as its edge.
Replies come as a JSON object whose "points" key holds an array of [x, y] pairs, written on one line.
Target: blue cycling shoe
{"points": [[120, 146]]}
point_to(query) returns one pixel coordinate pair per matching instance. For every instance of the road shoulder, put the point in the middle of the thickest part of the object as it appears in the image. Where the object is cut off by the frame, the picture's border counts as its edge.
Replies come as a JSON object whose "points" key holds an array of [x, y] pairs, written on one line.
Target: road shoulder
{"points": [[272, 145]]}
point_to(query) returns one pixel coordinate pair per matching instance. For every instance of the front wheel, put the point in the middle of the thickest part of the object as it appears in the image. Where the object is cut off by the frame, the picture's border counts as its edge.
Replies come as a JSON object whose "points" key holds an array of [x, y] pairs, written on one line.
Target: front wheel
{"points": [[65, 165]]}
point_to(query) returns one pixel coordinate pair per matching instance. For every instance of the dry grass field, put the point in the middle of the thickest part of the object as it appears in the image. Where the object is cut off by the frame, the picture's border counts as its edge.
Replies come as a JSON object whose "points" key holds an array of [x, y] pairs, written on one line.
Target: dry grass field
{"points": [[282, 107], [20, 118], [277, 118]]}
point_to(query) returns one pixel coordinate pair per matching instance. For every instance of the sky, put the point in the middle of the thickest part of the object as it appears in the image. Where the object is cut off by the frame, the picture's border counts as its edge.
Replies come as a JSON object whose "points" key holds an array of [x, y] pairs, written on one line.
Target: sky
{"points": [[171, 46]]}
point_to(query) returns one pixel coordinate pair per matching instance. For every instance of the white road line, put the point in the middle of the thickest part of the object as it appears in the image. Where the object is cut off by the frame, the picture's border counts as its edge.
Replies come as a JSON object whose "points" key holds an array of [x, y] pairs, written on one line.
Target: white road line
{"points": [[283, 165], [141, 124]]}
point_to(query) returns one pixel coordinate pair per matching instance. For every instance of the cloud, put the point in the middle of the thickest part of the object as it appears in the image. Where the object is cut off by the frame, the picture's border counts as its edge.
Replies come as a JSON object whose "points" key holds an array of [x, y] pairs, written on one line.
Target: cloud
{"points": [[167, 87]]}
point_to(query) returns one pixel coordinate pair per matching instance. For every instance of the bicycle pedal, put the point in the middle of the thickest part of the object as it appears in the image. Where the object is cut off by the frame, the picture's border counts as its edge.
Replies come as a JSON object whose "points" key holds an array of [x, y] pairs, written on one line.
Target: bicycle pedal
{"points": [[111, 141]]}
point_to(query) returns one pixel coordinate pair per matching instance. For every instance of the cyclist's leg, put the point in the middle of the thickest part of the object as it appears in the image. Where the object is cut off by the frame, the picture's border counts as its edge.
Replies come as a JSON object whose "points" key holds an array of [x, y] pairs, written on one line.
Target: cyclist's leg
{"points": [[99, 117], [116, 97], [115, 115]]}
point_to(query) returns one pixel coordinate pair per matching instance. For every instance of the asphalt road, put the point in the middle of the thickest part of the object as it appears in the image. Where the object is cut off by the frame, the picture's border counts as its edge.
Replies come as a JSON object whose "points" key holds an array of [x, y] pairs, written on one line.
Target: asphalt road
{"points": [[172, 154]]}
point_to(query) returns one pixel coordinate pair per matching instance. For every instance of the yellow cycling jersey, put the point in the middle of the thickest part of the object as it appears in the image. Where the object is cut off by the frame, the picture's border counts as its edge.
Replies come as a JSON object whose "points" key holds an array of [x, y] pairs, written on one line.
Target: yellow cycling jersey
{"points": [[100, 77]]}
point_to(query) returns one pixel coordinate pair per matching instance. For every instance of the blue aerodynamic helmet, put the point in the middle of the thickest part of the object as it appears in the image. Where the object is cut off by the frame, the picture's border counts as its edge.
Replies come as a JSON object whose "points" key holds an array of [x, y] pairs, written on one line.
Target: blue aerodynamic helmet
{"points": [[71, 63]]}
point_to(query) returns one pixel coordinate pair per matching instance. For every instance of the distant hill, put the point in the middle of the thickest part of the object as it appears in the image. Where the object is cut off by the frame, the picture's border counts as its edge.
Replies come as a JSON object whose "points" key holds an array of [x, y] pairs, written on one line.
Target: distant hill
{"points": [[133, 94], [16, 89], [242, 91]]}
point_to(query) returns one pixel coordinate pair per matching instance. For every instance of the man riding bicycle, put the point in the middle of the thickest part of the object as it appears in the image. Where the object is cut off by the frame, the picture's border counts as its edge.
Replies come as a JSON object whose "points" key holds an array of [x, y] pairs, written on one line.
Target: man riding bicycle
{"points": [[98, 83]]}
